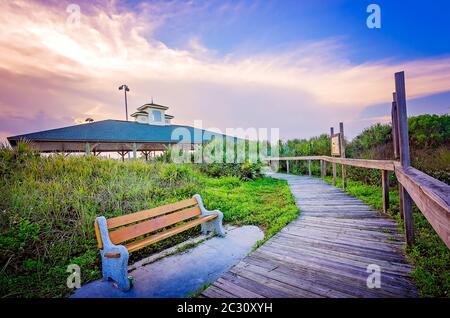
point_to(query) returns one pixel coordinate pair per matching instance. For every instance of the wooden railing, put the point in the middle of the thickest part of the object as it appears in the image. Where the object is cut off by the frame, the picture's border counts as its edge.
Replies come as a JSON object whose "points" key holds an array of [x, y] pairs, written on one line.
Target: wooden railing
{"points": [[431, 196]]}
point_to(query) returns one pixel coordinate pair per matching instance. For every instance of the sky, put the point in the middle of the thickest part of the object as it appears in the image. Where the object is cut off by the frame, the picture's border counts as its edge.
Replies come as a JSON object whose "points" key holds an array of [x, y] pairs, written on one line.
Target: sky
{"points": [[301, 66]]}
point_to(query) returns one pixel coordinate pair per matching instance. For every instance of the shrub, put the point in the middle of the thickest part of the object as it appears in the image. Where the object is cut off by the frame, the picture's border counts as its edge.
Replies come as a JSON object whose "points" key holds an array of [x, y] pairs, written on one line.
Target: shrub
{"points": [[244, 171]]}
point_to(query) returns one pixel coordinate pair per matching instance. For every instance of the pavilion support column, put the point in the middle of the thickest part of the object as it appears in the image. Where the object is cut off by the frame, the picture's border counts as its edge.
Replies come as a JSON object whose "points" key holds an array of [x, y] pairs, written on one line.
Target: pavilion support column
{"points": [[122, 154], [309, 168], [88, 149], [134, 151]]}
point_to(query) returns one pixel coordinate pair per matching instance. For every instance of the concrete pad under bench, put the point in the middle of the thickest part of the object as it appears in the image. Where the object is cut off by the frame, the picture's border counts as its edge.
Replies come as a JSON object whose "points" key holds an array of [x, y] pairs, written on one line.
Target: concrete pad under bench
{"points": [[181, 274]]}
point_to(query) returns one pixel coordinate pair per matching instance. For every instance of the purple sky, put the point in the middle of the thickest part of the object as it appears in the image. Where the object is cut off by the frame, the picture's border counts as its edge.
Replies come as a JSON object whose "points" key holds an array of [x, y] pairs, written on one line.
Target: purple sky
{"points": [[226, 63]]}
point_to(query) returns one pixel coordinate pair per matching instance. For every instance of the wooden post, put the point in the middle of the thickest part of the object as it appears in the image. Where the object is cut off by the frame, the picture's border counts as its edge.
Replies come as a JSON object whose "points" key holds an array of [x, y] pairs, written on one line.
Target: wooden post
{"points": [[385, 186], [287, 166], [395, 127], [321, 168], [405, 159], [334, 174], [333, 164], [309, 167], [88, 149], [395, 142], [344, 171], [324, 169]]}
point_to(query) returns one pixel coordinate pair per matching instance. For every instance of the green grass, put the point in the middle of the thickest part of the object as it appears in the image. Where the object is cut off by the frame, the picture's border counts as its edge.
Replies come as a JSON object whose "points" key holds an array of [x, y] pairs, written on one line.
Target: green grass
{"points": [[265, 202], [429, 253], [48, 205]]}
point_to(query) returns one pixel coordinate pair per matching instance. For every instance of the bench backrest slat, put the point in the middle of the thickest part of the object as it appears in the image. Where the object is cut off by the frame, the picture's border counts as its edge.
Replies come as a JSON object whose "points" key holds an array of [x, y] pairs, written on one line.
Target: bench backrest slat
{"points": [[98, 235], [146, 214], [127, 233]]}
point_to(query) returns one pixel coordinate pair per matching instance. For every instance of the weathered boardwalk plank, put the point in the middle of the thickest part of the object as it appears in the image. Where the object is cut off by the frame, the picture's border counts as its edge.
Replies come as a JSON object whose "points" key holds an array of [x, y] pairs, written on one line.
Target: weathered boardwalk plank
{"points": [[323, 253]]}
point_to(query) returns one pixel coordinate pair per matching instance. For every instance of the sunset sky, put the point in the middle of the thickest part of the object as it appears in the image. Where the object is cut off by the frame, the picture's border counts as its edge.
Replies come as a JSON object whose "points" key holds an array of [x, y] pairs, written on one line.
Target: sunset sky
{"points": [[301, 66]]}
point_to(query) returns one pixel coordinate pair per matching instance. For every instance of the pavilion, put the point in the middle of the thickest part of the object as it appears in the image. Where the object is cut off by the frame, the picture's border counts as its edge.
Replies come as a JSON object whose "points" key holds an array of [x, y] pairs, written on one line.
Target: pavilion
{"points": [[150, 132]]}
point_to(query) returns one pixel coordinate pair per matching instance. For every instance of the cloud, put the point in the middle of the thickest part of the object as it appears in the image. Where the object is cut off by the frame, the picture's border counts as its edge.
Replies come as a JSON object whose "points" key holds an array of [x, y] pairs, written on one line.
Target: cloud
{"points": [[49, 68]]}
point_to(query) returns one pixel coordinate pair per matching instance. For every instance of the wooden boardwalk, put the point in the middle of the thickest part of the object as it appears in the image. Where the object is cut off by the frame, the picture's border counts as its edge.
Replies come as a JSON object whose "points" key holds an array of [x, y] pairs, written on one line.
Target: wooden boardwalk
{"points": [[323, 253]]}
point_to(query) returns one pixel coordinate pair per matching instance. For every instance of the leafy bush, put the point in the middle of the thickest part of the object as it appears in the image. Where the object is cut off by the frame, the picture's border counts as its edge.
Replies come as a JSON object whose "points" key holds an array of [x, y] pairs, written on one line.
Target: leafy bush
{"points": [[429, 131], [245, 171]]}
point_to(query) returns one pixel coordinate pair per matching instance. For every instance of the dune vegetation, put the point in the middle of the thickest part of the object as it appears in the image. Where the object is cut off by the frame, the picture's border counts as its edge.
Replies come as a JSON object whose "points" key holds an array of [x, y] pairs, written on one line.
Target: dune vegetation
{"points": [[48, 206]]}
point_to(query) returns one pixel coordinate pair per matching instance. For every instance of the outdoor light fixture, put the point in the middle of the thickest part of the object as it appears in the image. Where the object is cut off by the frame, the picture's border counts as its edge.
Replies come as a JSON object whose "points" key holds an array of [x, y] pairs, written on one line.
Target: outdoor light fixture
{"points": [[126, 89]]}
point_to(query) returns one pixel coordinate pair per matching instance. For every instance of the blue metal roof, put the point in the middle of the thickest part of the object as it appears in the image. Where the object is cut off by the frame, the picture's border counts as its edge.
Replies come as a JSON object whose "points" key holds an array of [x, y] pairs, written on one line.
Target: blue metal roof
{"points": [[120, 131]]}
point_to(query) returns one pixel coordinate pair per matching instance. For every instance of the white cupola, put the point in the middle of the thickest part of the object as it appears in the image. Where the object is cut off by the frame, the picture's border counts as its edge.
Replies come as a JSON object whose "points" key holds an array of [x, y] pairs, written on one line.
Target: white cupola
{"points": [[152, 114]]}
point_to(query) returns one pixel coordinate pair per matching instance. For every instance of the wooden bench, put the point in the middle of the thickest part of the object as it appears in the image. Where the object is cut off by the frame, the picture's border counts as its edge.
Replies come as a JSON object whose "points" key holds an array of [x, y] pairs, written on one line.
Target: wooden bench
{"points": [[135, 232]]}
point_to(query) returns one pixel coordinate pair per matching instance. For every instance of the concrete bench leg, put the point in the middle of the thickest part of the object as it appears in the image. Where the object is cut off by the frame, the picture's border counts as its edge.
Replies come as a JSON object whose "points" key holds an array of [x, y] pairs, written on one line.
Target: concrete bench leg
{"points": [[116, 267], [215, 225]]}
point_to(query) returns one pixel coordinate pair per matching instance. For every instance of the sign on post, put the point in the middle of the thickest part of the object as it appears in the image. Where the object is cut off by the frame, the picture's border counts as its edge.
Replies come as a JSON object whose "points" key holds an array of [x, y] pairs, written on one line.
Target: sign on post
{"points": [[336, 145]]}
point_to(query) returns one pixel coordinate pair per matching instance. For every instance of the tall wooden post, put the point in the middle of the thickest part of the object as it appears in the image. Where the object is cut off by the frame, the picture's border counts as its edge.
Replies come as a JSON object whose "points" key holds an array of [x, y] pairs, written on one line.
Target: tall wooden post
{"points": [[344, 170], [395, 142], [405, 160], [333, 164], [395, 126], [309, 168]]}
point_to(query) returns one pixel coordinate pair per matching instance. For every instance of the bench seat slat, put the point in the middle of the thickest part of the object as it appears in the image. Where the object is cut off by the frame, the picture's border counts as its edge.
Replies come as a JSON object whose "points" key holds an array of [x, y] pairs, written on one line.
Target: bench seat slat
{"points": [[163, 235], [135, 230], [146, 214]]}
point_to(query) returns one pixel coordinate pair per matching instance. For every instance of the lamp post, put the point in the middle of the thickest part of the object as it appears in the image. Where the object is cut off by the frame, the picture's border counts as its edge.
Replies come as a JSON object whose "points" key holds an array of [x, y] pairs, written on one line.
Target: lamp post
{"points": [[126, 89]]}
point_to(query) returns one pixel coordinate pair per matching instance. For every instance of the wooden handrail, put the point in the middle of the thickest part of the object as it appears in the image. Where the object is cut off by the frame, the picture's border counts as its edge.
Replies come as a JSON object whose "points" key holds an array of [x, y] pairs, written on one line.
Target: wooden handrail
{"points": [[431, 196], [294, 158], [371, 164], [363, 163]]}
